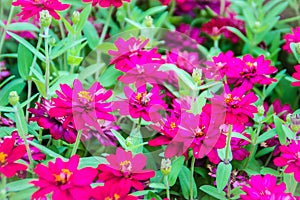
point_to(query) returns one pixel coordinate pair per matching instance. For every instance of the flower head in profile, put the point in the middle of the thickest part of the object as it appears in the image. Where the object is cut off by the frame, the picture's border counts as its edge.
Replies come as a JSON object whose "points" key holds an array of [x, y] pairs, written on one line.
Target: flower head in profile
{"points": [[9, 154], [132, 52], [290, 157], [254, 71], [296, 76], [111, 193], [289, 38], [64, 180], [142, 103], [32, 8], [125, 171], [264, 188], [54, 125], [107, 3], [81, 107]]}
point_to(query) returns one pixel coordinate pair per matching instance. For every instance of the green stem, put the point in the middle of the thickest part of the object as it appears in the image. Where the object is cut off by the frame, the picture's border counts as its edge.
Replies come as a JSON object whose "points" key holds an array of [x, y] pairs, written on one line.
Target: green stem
{"points": [[23, 136], [228, 145], [3, 188], [30, 73], [222, 8], [47, 73], [191, 177], [77, 142], [167, 186], [11, 12], [63, 35], [172, 8]]}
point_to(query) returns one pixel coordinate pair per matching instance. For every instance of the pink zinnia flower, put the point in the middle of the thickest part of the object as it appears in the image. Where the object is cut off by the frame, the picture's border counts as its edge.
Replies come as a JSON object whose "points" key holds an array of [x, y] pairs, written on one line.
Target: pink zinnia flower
{"points": [[54, 125], [254, 71], [290, 157], [296, 75], [108, 192], [9, 154], [64, 180], [289, 38], [265, 188], [80, 107], [107, 3], [32, 8], [143, 103], [125, 171], [238, 105], [132, 52]]}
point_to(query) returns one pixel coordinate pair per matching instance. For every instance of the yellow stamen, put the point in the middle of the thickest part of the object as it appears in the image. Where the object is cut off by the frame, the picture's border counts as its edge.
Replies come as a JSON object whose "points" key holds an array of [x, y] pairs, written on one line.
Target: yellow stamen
{"points": [[63, 177], [3, 157], [85, 95], [173, 125]]}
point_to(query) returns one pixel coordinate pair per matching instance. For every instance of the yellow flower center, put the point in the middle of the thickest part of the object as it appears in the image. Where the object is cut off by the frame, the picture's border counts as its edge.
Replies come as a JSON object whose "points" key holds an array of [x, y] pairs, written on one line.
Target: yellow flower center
{"points": [[63, 177], [143, 98], [229, 99], [85, 95], [3, 157], [116, 197], [173, 125], [265, 193], [199, 132]]}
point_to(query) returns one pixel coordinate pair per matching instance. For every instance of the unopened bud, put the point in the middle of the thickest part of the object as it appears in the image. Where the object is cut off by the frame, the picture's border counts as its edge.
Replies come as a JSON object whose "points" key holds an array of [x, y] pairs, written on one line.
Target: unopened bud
{"points": [[257, 24], [129, 142], [197, 75], [261, 110], [45, 18], [13, 98], [76, 17], [148, 21], [165, 166], [52, 42], [295, 119]]}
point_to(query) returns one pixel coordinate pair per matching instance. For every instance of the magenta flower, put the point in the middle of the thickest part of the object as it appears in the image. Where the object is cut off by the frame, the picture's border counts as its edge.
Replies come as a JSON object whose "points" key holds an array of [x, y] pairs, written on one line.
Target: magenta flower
{"points": [[142, 74], [264, 188], [3, 71], [296, 75], [238, 105], [195, 132], [32, 8], [254, 71], [9, 154], [107, 3], [125, 171], [142, 103], [64, 180], [82, 107], [290, 157], [111, 192], [289, 38], [131, 53], [54, 125]]}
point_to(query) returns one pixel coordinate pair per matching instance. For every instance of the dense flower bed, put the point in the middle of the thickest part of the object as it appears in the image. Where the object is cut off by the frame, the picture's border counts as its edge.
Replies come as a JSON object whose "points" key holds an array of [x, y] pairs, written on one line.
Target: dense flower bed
{"points": [[149, 99]]}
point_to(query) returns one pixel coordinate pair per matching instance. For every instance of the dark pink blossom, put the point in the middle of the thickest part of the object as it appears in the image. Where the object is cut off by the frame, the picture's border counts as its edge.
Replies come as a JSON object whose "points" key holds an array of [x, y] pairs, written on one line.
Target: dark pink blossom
{"points": [[289, 38], [107, 3], [110, 192], [296, 76], [125, 171]]}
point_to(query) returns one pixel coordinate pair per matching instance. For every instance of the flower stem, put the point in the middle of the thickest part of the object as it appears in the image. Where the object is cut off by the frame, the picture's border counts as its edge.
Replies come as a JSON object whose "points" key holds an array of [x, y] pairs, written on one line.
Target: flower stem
{"points": [[47, 73], [167, 186], [11, 12], [222, 8], [191, 177], [3, 188], [77, 142], [228, 144]]}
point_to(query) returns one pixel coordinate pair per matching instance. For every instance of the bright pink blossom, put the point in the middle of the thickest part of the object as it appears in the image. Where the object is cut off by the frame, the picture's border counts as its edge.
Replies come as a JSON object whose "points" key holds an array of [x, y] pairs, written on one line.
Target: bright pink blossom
{"points": [[82, 107], [265, 188], [107, 3], [289, 38], [64, 180], [9, 154], [131, 53], [32, 8], [125, 171], [109, 192], [296, 76], [290, 157]]}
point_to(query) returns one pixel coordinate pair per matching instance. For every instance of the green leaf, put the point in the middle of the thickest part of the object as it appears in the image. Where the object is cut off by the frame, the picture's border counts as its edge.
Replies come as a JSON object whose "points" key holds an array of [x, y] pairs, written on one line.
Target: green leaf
{"points": [[290, 182], [212, 191], [265, 136], [64, 46], [271, 87], [120, 138], [223, 175], [197, 106], [152, 11], [279, 130], [109, 77], [68, 26], [15, 85], [19, 185], [142, 193], [264, 151], [83, 18], [184, 180], [23, 104], [40, 86], [238, 33], [91, 34], [27, 45], [288, 132], [240, 136], [161, 20], [91, 162], [151, 195], [21, 124], [24, 61], [22, 195], [177, 165], [293, 48], [157, 186], [267, 170], [45, 150], [22, 26], [6, 109], [63, 79], [133, 23]]}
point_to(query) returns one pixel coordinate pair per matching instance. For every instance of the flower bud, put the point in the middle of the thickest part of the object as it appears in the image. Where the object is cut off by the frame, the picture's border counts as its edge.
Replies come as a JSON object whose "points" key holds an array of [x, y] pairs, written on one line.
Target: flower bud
{"points": [[52, 42], [129, 142], [165, 166], [261, 110], [257, 24], [13, 98], [148, 21], [45, 18], [197, 75], [297, 46], [295, 119], [76, 17]]}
